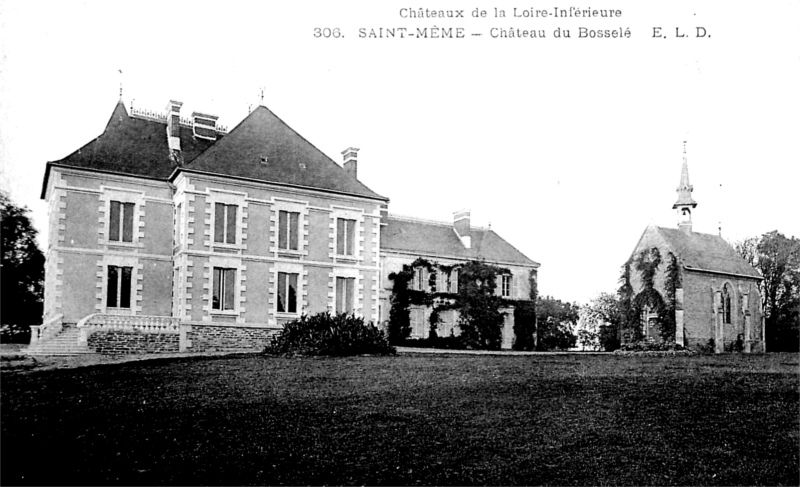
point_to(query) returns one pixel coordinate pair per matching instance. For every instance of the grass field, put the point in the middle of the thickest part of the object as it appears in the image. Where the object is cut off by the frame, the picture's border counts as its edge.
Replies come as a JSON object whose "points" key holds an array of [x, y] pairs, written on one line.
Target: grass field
{"points": [[406, 420]]}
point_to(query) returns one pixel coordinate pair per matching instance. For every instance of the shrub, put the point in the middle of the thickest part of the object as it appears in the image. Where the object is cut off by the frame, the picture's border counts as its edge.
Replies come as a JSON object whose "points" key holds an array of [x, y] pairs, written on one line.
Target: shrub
{"points": [[326, 334]]}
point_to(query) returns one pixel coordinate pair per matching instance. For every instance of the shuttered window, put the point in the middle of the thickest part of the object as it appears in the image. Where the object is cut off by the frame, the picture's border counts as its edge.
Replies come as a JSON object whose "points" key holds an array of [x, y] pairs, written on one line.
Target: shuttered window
{"points": [[288, 223], [121, 222], [225, 223]]}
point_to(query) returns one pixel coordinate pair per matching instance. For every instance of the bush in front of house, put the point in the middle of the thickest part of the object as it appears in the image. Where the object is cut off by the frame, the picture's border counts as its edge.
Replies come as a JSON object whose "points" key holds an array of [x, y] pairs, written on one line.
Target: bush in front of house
{"points": [[327, 334]]}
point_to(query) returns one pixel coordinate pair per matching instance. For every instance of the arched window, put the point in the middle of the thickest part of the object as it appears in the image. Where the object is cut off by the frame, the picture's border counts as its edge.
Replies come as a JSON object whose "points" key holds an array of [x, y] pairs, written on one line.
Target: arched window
{"points": [[726, 303]]}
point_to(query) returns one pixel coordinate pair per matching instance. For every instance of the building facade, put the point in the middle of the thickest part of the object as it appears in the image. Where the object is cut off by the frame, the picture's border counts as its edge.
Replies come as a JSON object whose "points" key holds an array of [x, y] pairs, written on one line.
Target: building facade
{"points": [[717, 300], [170, 225], [169, 233], [447, 246]]}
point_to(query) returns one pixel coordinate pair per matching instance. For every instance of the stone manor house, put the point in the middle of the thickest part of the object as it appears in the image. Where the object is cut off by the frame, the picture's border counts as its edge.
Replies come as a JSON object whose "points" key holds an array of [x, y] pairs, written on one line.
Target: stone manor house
{"points": [[167, 233]]}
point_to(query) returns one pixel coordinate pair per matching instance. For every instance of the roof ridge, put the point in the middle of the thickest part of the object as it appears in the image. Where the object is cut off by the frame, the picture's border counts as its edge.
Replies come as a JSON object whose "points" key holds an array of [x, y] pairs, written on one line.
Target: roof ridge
{"points": [[397, 216], [409, 218]]}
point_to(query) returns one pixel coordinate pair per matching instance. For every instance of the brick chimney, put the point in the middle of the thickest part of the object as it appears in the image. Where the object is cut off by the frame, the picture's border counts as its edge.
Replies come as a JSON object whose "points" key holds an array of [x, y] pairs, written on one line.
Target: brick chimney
{"points": [[174, 124], [461, 225], [351, 161]]}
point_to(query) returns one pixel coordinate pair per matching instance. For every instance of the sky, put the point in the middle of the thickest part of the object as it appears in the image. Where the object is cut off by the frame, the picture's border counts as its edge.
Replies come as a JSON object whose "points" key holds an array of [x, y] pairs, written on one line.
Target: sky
{"points": [[568, 148]]}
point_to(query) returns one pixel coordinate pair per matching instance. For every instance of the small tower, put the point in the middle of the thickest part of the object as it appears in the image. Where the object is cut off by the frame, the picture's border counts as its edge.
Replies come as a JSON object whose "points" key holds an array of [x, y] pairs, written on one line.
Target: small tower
{"points": [[685, 203]]}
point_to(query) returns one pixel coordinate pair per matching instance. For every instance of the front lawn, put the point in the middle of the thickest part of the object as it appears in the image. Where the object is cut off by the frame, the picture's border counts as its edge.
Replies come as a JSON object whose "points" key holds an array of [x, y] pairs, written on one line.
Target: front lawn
{"points": [[406, 420]]}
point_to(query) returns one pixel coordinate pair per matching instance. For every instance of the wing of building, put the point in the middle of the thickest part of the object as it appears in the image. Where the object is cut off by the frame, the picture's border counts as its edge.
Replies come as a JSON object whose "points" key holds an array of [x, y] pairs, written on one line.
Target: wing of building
{"points": [[446, 246], [717, 301], [167, 233]]}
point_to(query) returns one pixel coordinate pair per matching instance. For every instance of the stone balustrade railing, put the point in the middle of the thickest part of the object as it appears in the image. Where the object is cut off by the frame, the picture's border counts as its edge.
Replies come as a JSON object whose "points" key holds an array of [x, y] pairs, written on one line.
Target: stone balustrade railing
{"points": [[47, 330], [147, 324]]}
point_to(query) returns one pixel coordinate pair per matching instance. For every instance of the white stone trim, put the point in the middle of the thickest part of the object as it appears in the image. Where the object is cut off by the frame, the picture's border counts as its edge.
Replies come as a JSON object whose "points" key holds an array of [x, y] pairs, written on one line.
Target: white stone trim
{"points": [[358, 246], [296, 206], [302, 285], [101, 283], [239, 293], [214, 196], [122, 195]]}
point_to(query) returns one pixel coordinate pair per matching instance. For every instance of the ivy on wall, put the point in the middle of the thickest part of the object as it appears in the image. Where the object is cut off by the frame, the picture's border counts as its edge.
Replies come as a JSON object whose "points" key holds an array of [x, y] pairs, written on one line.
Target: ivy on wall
{"points": [[633, 305], [480, 318]]}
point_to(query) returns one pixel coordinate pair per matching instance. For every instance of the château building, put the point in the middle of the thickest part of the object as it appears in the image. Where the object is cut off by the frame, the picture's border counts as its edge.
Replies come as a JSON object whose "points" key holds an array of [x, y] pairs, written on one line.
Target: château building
{"points": [[169, 233]]}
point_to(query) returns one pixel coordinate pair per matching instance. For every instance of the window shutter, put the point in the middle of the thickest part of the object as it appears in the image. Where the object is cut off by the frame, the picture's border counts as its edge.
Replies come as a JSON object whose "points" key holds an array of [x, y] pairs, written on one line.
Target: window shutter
{"points": [[292, 293], [230, 288], [231, 224], [339, 295], [282, 227], [111, 291], [217, 286], [293, 230], [125, 288], [127, 222], [340, 236], [219, 222], [113, 227]]}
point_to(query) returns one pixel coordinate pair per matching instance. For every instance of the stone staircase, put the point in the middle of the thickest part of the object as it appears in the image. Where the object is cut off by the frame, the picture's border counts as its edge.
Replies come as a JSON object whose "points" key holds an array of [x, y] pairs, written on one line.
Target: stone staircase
{"points": [[65, 343]]}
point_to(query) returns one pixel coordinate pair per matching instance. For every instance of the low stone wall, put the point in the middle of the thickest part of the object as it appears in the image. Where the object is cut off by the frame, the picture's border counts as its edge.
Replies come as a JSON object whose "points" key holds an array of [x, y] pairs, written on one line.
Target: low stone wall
{"points": [[113, 342], [221, 337]]}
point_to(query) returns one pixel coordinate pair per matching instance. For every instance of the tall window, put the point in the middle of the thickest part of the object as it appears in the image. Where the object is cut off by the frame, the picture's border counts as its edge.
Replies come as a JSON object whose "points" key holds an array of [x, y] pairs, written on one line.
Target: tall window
{"points": [[419, 278], [118, 294], [726, 304], [287, 292], [345, 289], [225, 223], [224, 289], [432, 277], [121, 226], [506, 286], [345, 236], [287, 230], [452, 281]]}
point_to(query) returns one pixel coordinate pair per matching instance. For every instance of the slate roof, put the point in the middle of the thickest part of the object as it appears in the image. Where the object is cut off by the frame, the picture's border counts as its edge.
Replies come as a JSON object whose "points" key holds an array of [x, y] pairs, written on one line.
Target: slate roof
{"points": [[139, 147], [263, 135], [703, 251], [134, 146], [440, 239]]}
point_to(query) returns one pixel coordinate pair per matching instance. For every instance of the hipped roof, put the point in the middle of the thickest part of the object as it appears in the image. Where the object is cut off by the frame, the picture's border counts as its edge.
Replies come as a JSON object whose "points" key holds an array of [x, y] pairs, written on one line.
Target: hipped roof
{"points": [[139, 147], [440, 239]]}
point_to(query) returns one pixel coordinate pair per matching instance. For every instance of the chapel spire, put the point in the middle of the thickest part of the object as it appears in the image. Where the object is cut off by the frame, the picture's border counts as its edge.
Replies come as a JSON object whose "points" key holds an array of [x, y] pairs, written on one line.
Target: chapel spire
{"points": [[685, 202]]}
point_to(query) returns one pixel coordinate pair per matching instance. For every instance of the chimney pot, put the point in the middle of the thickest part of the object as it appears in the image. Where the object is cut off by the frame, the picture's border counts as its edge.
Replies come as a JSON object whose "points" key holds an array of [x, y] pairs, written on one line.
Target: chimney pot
{"points": [[174, 124], [351, 161]]}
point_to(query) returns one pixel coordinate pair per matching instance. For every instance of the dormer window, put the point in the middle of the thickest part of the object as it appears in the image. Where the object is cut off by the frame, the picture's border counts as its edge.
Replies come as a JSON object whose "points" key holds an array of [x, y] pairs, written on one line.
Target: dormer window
{"points": [[204, 126]]}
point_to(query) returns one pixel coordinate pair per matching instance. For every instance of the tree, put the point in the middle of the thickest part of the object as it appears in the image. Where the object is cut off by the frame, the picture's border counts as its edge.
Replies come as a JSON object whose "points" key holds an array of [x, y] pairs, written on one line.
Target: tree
{"points": [[556, 321], [602, 318], [777, 258], [21, 270]]}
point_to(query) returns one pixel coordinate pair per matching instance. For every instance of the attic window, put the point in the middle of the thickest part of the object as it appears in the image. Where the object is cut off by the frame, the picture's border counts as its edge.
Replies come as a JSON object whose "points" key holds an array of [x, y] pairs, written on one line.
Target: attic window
{"points": [[264, 159], [302, 165], [204, 126]]}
